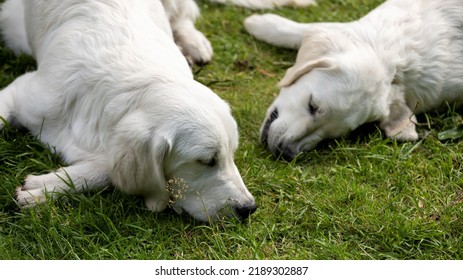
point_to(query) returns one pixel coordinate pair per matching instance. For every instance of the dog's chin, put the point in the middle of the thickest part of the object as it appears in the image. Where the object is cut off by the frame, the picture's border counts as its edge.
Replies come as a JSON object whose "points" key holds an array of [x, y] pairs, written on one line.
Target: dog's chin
{"points": [[202, 216], [178, 209], [286, 152], [182, 211]]}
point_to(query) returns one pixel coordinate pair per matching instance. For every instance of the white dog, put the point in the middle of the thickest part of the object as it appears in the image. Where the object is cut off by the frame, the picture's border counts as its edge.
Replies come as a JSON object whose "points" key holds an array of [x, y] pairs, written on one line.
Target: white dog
{"points": [[404, 57], [116, 98], [267, 4]]}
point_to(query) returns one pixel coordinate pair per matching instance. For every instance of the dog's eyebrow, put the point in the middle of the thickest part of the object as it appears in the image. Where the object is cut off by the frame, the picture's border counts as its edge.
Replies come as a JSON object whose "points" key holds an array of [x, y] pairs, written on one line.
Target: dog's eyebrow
{"points": [[210, 161], [212, 153], [206, 151]]}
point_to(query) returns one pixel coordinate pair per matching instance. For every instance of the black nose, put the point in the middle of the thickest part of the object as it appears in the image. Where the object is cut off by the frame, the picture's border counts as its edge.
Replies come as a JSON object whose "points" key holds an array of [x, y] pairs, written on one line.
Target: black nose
{"points": [[282, 152], [246, 211]]}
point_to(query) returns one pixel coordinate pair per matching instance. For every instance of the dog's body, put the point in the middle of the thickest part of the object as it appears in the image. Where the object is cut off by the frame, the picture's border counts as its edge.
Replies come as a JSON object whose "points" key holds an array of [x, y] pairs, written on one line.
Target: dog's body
{"points": [[116, 98], [267, 4], [404, 57]]}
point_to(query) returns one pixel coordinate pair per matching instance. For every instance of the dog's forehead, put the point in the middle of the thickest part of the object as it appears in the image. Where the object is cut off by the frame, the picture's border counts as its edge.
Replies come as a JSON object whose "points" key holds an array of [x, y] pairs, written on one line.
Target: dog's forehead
{"points": [[296, 95], [205, 138], [204, 122]]}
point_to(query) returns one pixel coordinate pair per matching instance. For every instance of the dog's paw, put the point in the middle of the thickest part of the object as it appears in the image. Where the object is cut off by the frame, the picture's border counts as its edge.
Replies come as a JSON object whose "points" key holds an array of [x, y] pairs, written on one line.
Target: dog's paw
{"points": [[405, 136], [195, 46], [29, 198], [402, 131], [32, 192], [400, 123], [156, 203]]}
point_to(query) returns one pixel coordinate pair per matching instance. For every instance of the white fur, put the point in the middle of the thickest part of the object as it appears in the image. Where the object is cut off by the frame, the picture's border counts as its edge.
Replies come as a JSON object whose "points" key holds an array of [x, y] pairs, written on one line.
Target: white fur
{"points": [[404, 57], [267, 4], [116, 98]]}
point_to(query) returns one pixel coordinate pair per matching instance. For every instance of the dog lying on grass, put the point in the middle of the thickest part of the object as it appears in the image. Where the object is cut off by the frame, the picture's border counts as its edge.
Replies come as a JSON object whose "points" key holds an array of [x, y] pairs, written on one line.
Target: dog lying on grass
{"points": [[267, 4], [116, 98], [403, 58]]}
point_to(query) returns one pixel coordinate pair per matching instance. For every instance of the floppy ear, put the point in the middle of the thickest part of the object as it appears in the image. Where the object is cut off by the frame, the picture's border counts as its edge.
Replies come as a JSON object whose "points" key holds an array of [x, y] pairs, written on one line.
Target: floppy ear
{"points": [[320, 39], [136, 160], [301, 68]]}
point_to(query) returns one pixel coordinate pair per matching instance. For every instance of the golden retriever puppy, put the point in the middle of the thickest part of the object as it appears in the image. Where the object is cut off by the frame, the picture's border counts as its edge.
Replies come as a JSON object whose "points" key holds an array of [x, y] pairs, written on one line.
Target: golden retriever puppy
{"points": [[116, 98], [403, 58]]}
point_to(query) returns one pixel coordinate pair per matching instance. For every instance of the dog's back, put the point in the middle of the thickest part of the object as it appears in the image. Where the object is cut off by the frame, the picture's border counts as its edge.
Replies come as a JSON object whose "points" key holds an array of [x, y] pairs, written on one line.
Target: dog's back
{"points": [[13, 26], [424, 41], [85, 48]]}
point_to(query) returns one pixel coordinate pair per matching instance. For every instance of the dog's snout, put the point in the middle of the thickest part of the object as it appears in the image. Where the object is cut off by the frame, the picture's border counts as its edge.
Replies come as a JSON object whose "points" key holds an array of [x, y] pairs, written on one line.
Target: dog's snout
{"points": [[245, 211], [284, 152], [264, 136]]}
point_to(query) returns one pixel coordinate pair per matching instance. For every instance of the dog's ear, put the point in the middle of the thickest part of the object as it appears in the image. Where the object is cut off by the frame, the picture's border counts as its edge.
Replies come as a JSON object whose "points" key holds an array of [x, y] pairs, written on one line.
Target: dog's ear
{"points": [[136, 157], [301, 68], [320, 39]]}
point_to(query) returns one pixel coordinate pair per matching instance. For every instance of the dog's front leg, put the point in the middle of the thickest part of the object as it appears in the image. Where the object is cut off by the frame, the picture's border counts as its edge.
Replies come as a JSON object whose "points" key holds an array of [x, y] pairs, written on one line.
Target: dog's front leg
{"points": [[8, 105], [75, 178], [193, 44], [400, 123]]}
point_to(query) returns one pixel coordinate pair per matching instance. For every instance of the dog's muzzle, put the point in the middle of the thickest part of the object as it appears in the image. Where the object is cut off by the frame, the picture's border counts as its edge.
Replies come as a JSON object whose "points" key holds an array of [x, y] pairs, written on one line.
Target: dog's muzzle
{"points": [[244, 212], [283, 152], [280, 150]]}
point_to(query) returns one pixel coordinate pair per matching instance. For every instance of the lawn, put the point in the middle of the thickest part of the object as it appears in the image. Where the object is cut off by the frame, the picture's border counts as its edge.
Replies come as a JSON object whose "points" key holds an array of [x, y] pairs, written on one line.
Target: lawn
{"points": [[358, 197]]}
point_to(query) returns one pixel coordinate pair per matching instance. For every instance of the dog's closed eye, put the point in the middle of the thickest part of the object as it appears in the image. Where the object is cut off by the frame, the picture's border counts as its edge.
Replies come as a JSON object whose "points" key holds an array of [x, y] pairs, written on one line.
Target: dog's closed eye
{"points": [[208, 162], [313, 108]]}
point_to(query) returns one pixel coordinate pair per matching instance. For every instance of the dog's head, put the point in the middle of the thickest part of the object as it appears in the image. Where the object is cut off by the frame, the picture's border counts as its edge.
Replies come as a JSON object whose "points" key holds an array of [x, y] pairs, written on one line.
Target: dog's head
{"points": [[181, 153], [335, 85]]}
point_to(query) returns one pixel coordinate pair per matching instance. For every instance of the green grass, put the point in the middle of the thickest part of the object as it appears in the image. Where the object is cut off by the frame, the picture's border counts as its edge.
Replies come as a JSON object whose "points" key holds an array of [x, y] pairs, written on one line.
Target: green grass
{"points": [[359, 197]]}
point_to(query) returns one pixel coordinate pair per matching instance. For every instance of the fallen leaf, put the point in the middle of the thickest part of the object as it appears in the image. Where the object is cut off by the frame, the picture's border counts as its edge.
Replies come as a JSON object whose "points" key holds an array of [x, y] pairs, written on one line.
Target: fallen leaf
{"points": [[421, 204], [266, 73], [435, 217]]}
